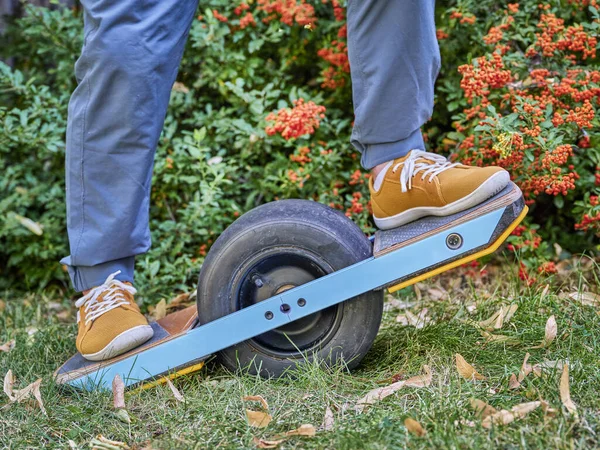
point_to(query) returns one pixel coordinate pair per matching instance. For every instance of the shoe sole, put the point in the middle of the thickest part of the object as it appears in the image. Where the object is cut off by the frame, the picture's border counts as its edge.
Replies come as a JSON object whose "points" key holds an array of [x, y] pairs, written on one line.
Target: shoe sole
{"points": [[489, 188], [127, 340]]}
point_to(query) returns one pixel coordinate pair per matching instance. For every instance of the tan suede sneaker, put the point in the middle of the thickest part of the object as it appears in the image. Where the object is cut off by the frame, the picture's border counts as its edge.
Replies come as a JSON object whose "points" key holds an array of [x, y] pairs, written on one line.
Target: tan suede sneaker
{"points": [[110, 322], [425, 184]]}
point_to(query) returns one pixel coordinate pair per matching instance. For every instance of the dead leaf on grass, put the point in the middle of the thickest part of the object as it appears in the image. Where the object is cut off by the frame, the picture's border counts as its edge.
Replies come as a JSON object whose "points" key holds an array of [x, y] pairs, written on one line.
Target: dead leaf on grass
{"points": [[586, 298], [437, 293], [175, 391], [380, 393], [498, 338], [550, 331], [504, 417], [565, 391], [466, 370], [7, 346], [303, 430], [513, 383], [2, 306], [118, 389], [102, 443], [499, 318], [265, 443], [257, 419], [545, 292], [526, 369], [418, 321], [328, 420], [414, 427], [20, 395], [482, 409]]}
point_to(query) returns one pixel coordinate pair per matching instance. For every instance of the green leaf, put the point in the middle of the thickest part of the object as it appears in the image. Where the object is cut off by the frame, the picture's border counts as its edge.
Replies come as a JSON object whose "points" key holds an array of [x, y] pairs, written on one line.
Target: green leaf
{"points": [[559, 201]]}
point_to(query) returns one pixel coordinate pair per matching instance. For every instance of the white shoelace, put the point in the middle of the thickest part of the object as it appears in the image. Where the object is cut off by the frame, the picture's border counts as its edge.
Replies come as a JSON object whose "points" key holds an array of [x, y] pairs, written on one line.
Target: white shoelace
{"points": [[435, 165], [112, 299]]}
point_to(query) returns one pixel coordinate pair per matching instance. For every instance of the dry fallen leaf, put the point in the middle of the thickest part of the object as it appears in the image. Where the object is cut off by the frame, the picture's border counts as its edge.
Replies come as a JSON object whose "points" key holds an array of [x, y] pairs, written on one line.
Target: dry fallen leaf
{"points": [[7, 346], [565, 391], [303, 430], [437, 293], [513, 383], [498, 338], [258, 419], [499, 318], [9, 381], [545, 292], [118, 388], [160, 310], [504, 417], [101, 443], [414, 427], [2, 305], [418, 321], [175, 391], [525, 369], [550, 333], [19, 395], [181, 301], [328, 420], [466, 370], [482, 409], [586, 298], [264, 443], [380, 393]]}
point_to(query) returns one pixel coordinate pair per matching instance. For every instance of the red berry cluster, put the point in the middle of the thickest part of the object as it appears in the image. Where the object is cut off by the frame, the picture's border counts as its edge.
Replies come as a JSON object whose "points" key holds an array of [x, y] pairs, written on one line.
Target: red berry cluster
{"points": [[298, 121]]}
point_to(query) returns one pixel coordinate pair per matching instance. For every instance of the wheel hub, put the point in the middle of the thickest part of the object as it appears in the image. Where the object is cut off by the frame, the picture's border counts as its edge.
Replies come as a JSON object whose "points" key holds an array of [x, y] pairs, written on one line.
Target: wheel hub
{"points": [[271, 274]]}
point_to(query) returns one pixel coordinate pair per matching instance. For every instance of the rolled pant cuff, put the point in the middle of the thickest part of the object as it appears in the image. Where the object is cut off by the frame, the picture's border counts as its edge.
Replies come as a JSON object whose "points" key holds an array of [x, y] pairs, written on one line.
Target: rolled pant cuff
{"points": [[375, 154], [87, 277]]}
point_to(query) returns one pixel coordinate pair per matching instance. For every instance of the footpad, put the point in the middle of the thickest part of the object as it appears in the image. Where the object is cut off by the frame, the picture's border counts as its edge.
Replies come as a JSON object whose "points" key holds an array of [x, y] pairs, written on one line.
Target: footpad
{"points": [[510, 199], [390, 240]]}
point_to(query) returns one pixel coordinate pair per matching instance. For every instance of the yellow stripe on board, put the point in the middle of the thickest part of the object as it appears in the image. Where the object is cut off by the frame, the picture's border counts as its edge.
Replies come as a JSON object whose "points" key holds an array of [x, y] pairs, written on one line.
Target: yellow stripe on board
{"points": [[466, 259], [172, 376]]}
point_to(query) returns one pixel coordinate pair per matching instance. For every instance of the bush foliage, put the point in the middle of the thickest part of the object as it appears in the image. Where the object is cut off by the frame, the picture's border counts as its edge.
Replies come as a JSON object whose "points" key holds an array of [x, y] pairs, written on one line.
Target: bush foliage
{"points": [[262, 111]]}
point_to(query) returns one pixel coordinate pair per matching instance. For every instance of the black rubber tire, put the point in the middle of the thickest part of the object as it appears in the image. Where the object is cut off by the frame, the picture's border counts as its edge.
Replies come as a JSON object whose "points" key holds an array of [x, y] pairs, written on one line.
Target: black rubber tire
{"points": [[316, 232]]}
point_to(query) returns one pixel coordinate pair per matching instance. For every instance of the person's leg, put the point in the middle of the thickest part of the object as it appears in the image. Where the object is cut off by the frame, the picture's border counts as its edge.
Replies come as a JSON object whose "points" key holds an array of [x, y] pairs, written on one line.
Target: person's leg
{"points": [[394, 61], [128, 64]]}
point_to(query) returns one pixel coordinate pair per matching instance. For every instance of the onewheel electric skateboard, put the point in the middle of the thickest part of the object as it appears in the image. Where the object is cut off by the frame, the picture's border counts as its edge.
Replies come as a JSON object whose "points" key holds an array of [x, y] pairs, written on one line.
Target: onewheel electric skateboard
{"points": [[294, 280]]}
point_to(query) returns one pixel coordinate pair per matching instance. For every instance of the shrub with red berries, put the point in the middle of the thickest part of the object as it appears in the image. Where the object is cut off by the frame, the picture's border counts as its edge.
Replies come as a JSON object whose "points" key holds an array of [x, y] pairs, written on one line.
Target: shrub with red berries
{"points": [[262, 110]]}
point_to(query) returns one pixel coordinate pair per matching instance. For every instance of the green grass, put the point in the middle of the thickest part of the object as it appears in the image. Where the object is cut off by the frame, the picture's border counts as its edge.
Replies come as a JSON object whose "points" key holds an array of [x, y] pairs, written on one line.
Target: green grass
{"points": [[213, 413]]}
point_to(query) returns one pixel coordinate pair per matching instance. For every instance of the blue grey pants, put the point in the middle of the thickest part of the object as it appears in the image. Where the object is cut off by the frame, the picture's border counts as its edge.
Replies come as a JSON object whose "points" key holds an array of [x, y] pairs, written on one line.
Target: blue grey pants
{"points": [[127, 67]]}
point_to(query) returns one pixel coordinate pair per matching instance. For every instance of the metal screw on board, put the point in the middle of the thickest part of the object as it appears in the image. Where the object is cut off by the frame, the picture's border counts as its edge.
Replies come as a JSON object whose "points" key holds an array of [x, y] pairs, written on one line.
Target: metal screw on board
{"points": [[301, 302], [454, 241], [268, 315]]}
